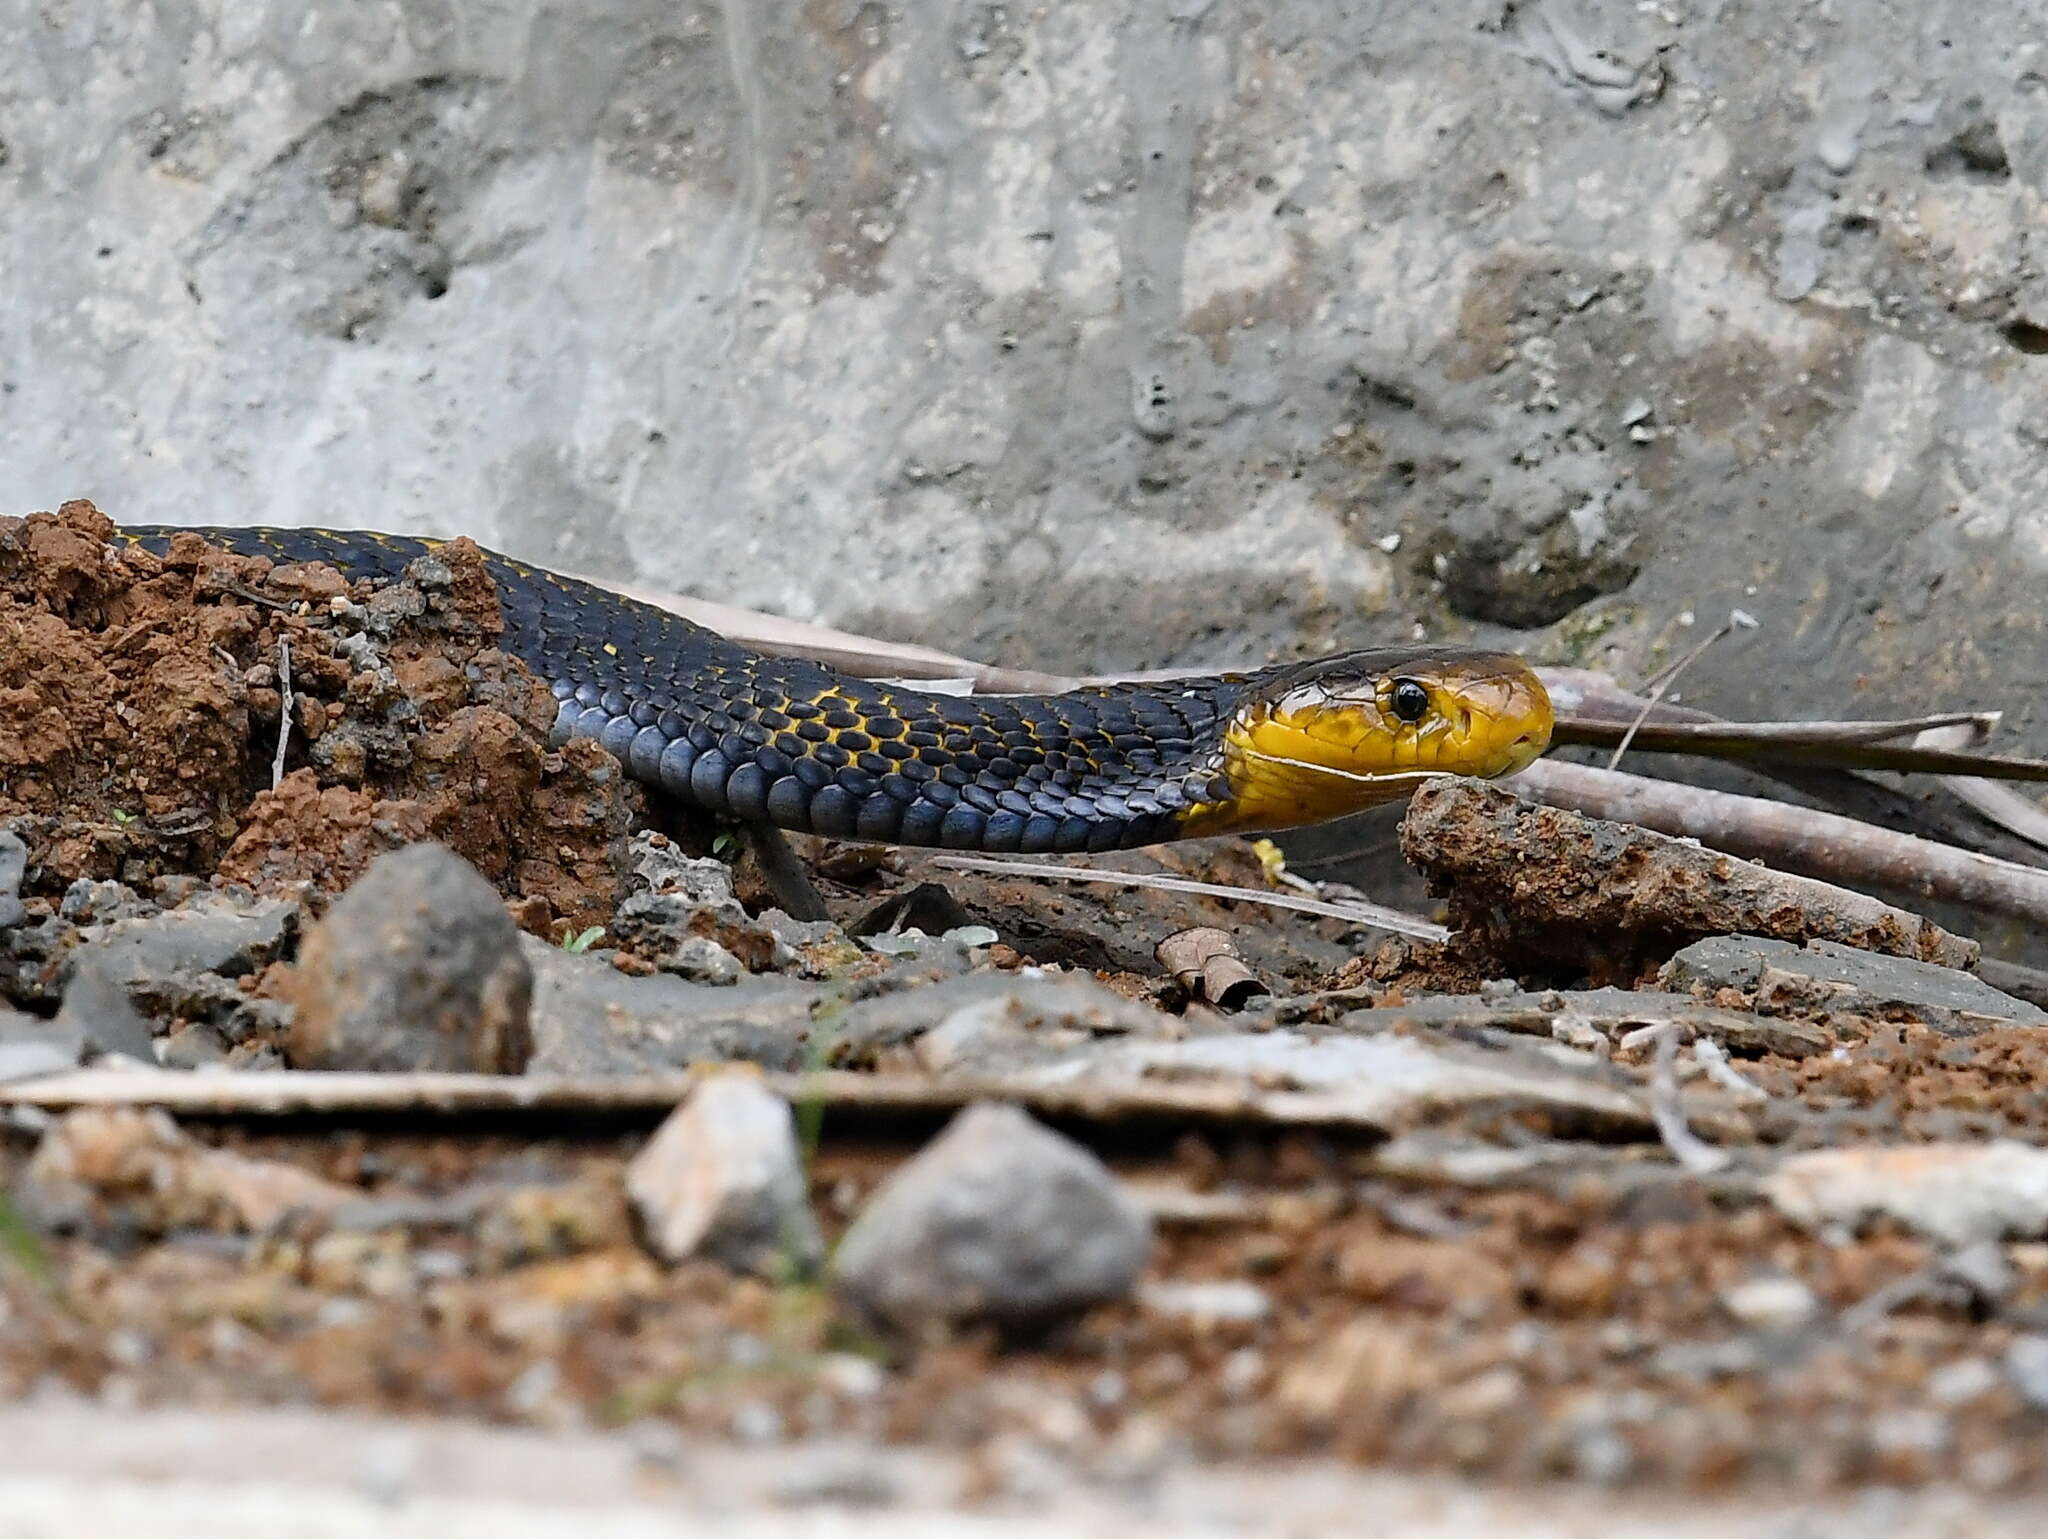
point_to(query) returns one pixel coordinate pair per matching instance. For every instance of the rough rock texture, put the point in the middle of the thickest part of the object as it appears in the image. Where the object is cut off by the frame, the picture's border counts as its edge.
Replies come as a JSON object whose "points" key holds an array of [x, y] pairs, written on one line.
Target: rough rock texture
{"points": [[1542, 887], [1825, 976], [417, 966], [724, 1177], [139, 715], [1955, 1193], [997, 1219], [128, 1170], [1234, 326]]}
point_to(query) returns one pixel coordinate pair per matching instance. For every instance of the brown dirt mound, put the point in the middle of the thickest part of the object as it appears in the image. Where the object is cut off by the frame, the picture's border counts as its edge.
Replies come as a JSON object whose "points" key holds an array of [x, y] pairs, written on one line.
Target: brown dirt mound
{"points": [[140, 707]]}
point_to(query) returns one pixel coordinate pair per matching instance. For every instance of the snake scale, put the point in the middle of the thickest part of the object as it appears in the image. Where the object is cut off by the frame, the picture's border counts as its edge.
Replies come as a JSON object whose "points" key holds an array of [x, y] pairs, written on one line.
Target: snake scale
{"points": [[797, 744]]}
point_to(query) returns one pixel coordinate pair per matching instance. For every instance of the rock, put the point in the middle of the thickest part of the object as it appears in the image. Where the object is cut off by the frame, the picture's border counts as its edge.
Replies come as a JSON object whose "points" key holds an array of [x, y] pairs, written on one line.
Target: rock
{"points": [[30, 1046], [590, 1018], [1387, 1081], [688, 903], [666, 870], [724, 1177], [2026, 1366], [997, 1219], [1610, 1013], [209, 933], [126, 1168], [417, 966], [1957, 1194], [1207, 1303], [1556, 888], [13, 867], [988, 1020], [1772, 1303], [1823, 975], [702, 960], [181, 964], [96, 1007]]}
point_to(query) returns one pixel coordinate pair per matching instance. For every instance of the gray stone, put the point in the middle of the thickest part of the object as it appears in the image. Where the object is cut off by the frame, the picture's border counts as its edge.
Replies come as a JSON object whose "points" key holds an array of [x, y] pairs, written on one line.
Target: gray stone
{"points": [[87, 902], [701, 960], [210, 933], [1388, 1081], [723, 1177], [987, 1020], [1772, 1303], [1823, 975], [97, 1007], [688, 921], [1958, 1194], [13, 867], [1209, 1303], [590, 1018], [29, 1046], [666, 870], [1610, 1013], [181, 964], [2026, 1365], [417, 966], [997, 1219]]}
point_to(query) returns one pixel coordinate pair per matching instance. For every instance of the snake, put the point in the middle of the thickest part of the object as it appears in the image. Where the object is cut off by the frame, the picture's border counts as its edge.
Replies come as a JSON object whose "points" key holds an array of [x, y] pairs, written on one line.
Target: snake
{"points": [[788, 741]]}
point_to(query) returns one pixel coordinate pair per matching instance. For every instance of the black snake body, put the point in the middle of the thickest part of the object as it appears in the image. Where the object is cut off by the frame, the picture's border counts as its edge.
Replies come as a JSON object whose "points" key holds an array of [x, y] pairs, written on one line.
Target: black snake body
{"points": [[800, 745]]}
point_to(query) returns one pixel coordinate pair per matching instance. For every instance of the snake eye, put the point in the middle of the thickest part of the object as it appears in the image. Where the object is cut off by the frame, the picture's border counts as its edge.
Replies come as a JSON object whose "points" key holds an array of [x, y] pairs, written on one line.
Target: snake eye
{"points": [[1409, 700]]}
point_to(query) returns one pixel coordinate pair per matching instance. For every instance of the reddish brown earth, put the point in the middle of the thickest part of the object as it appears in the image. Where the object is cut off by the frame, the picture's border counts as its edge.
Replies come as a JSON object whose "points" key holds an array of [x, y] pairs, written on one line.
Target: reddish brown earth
{"points": [[140, 708]]}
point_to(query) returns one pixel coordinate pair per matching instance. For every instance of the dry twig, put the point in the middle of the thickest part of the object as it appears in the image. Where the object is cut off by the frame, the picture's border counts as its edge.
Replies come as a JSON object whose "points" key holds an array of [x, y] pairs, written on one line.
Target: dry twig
{"points": [[1669, 676], [1667, 1107], [284, 713], [1371, 914]]}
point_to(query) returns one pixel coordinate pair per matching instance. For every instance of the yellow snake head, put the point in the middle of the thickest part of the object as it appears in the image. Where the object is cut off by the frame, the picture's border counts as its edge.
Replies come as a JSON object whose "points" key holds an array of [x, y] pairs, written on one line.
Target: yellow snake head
{"points": [[1350, 732]]}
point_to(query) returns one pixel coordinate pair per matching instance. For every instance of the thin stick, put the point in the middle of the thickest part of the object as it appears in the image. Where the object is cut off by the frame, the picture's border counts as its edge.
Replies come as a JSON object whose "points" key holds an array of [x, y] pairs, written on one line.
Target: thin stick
{"points": [[284, 713], [1667, 1108], [1708, 1055], [2016, 814], [1362, 913], [1668, 677]]}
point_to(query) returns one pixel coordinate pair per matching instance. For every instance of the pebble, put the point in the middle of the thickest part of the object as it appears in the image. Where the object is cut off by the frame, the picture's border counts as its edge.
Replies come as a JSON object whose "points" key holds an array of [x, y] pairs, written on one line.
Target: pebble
{"points": [[13, 867], [30, 1046], [2026, 1366], [1772, 1303], [417, 966], [997, 1219], [96, 1009], [1207, 1303], [1958, 1194], [702, 960], [1960, 1382], [134, 1169], [724, 1177]]}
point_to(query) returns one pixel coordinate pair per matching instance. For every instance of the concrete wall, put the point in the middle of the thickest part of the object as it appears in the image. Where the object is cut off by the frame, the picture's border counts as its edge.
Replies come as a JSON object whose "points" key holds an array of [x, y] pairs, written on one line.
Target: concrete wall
{"points": [[1084, 334]]}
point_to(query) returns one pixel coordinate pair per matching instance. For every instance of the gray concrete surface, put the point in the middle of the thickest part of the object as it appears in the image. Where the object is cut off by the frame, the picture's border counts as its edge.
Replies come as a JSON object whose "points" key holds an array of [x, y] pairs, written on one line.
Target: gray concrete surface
{"points": [[1087, 335]]}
